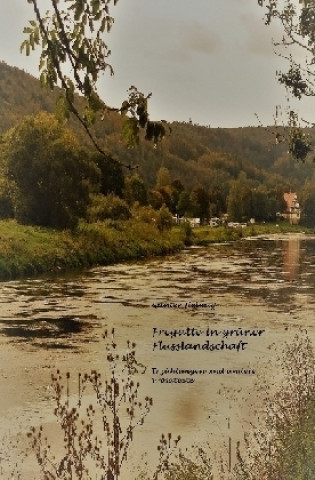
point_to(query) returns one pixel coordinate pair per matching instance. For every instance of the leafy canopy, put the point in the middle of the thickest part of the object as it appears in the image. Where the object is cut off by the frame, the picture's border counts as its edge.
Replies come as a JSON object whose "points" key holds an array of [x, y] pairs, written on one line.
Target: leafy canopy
{"points": [[51, 174], [74, 55]]}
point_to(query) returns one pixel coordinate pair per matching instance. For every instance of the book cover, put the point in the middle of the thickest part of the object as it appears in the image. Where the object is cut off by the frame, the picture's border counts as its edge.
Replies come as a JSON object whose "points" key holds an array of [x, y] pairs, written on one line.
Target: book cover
{"points": [[194, 365]]}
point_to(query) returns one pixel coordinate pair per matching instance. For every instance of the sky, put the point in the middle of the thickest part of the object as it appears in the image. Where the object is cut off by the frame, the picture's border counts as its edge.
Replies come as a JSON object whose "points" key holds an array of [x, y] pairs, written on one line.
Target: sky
{"points": [[208, 61]]}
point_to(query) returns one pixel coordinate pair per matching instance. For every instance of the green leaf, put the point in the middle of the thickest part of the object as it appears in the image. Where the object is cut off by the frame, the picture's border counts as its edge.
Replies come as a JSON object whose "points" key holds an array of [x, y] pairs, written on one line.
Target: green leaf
{"points": [[89, 116], [103, 25], [95, 103], [23, 46], [78, 10], [95, 6], [62, 109], [87, 86], [130, 131]]}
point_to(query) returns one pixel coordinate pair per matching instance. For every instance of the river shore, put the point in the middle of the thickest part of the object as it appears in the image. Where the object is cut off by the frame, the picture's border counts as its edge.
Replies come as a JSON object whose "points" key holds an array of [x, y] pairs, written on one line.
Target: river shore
{"points": [[27, 251]]}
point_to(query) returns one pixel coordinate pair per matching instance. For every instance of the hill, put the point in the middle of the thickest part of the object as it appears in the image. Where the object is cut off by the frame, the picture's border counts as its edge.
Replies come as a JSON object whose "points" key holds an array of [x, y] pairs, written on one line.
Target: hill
{"points": [[194, 154], [21, 95]]}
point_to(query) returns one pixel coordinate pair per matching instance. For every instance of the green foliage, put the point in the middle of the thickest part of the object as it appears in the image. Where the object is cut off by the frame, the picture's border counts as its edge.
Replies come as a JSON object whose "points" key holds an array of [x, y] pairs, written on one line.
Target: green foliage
{"points": [[164, 219], [239, 206], [130, 131], [6, 207], [136, 117], [51, 173], [308, 202], [297, 21], [188, 233], [206, 235], [299, 144], [135, 190], [245, 202], [201, 204], [155, 131], [112, 177], [294, 81], [145, 214], [29, 250], [156, 199], [21, 95], [163, 178], [185, 204], [72, 34], [108, 207], [195, 155]]}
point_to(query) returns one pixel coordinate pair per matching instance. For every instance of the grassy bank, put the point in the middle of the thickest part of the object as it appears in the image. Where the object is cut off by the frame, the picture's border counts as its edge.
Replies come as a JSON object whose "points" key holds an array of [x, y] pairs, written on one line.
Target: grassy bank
{"points": [[29, 251]]}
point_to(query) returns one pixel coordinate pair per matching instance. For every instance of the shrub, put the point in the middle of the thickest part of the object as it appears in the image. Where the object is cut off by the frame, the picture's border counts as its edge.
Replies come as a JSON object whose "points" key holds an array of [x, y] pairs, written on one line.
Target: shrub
{"points": [[108, 207], [164, 219], [145, 214], [188, 233]]}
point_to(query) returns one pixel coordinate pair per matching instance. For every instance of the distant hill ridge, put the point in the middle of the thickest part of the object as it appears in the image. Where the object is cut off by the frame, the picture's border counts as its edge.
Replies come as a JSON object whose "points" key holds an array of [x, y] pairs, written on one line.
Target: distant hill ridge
{"points": [[192, 153], [21, 94]]}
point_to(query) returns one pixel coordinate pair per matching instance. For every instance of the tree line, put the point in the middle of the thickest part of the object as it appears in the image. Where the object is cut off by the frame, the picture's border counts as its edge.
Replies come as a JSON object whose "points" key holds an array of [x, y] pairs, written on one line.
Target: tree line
{"points": [[49, 179]]}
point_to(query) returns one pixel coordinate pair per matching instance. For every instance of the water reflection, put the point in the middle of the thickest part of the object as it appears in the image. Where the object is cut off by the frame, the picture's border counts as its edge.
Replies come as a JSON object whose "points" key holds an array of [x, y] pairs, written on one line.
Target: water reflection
{"points": [[42, 328], [48, 333], [291, 261]]}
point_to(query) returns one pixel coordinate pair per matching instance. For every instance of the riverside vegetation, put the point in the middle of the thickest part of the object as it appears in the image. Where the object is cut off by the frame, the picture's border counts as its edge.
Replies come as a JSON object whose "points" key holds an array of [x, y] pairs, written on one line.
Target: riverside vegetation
{"points": [[33, 250], [30, 250]]}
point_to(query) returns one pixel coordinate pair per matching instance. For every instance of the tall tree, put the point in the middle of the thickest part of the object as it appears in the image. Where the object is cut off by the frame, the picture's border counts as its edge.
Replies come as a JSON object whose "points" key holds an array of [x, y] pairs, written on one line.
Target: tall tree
{"points": [[185, 204], [201, 200], [74, 55], [52, 175], [240, 201]]}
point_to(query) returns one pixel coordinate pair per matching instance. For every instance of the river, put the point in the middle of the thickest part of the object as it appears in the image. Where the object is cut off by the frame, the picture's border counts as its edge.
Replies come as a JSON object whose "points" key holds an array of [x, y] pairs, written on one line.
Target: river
{"points": [[239, 302]]}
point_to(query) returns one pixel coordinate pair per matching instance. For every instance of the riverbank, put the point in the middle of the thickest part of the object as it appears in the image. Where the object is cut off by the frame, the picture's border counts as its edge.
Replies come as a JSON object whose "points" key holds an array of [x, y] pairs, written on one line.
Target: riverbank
{"points": [[29, 251], [204, 236]]}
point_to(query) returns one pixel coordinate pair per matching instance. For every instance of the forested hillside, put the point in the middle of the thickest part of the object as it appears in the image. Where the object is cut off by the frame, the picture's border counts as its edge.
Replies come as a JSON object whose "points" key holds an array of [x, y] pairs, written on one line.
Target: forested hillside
{"points": [[199, 159], [20, 95]]}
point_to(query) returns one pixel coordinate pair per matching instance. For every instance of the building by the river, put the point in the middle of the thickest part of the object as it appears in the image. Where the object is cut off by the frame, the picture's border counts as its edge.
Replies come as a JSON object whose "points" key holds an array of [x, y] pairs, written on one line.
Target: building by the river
{"points": [[293, 210]]}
